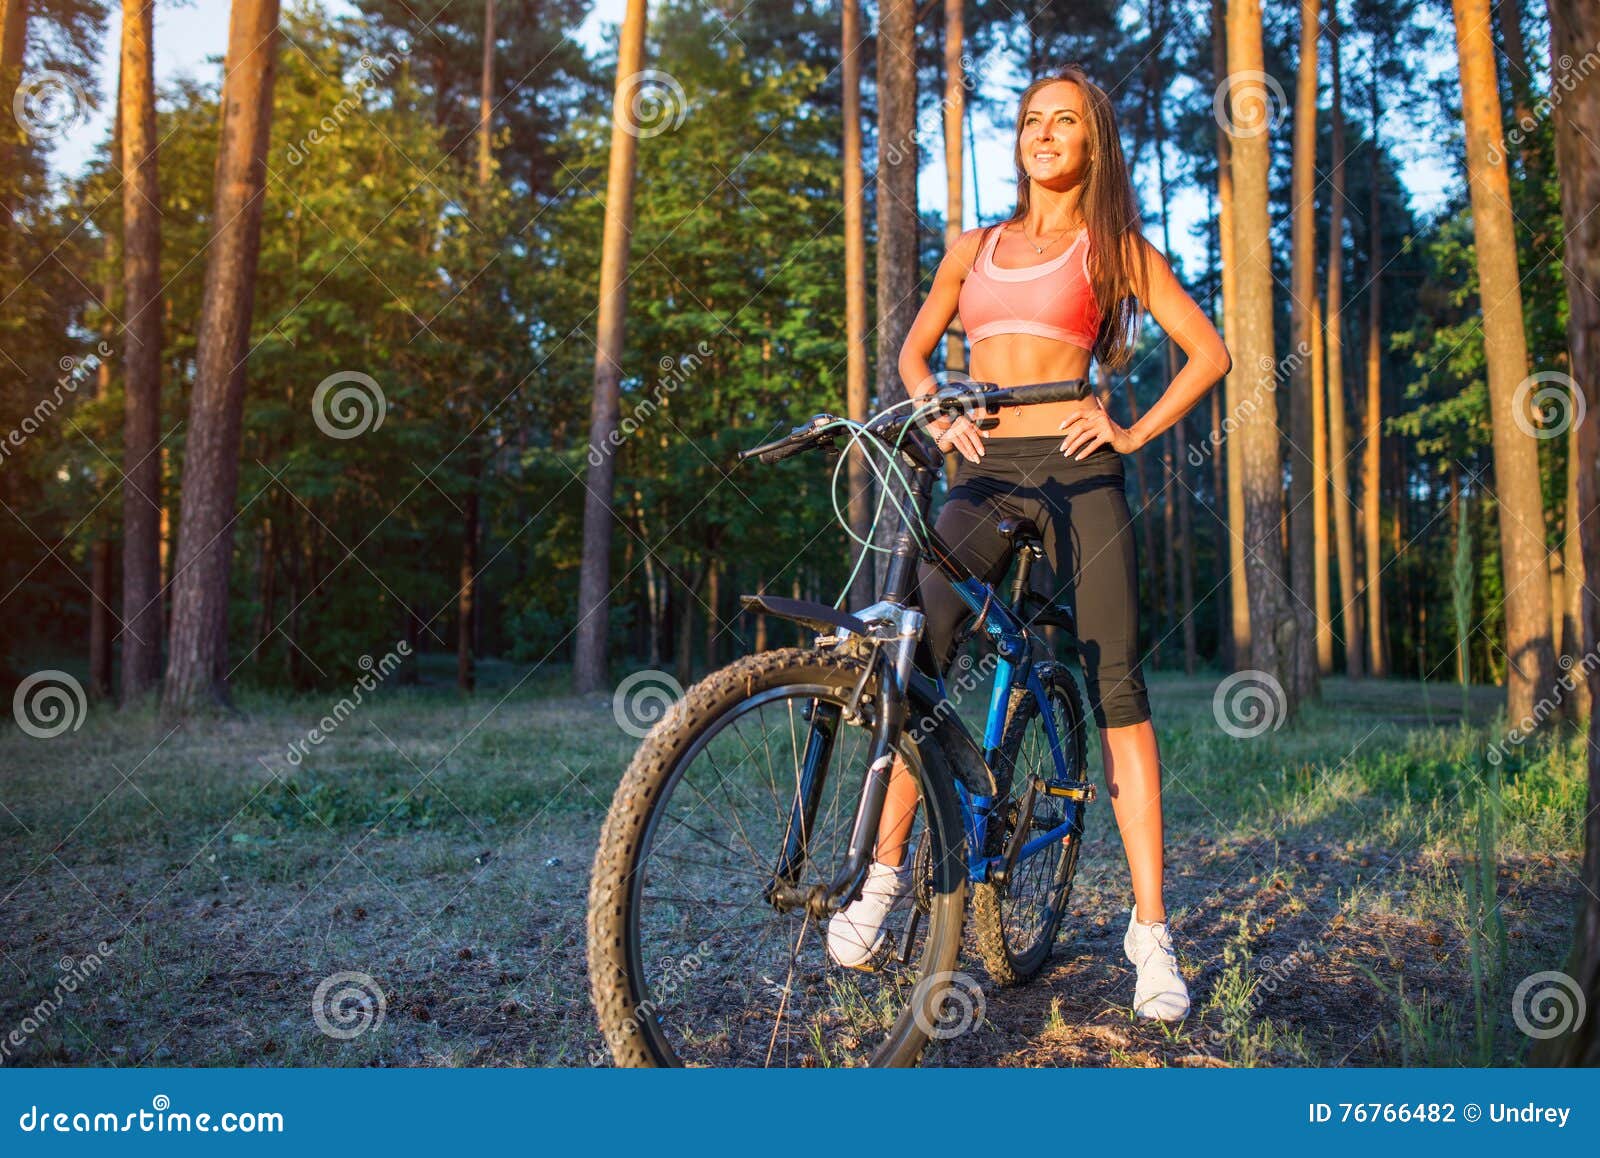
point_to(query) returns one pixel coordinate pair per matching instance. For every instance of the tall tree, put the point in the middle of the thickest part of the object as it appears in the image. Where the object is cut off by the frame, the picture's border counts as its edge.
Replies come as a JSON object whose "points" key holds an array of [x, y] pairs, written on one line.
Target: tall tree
{"points": [[13, 41], [1323, 593], [594, 581], [1530, 668], [897, 254], [1372, 413], [1238, 597], [141, 359], [1303, 275], [101, 631], [1272, 643], [857, 395], [468, 604], [955, 102], [1338, 429], [1574, 30], [197, 669]]}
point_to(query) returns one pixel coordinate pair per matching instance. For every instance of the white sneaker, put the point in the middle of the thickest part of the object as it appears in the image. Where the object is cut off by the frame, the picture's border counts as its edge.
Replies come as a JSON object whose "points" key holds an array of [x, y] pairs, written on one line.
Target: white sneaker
{"points": [[855, 932], [1160, 992]]}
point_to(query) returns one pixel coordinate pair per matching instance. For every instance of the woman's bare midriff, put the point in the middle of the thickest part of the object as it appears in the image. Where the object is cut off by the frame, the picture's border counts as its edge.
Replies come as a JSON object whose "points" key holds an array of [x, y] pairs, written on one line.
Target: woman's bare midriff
{"points": [[1022, 359]]}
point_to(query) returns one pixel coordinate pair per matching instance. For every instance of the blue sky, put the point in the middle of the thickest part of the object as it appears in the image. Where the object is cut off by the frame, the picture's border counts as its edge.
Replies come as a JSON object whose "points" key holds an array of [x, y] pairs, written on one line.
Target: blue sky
{"points": [[188, 38]]}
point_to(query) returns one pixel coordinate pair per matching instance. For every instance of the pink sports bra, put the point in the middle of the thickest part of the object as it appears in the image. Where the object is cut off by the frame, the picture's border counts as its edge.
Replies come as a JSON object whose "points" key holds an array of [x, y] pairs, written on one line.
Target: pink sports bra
{"points": [[1052, 300]]}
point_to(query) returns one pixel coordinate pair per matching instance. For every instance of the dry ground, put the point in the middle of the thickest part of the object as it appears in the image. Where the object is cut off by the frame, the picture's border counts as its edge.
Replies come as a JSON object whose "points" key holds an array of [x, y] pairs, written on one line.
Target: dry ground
{"points": [[1320, 885]]}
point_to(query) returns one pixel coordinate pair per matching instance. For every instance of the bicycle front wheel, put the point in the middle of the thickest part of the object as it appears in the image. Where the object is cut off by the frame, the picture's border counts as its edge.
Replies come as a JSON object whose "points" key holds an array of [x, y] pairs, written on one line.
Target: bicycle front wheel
{"points": [[689, 962]]}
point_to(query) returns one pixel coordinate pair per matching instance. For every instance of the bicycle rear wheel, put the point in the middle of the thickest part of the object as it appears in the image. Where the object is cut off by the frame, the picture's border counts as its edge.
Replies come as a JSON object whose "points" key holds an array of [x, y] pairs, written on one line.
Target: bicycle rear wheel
{"points": [[689, 963], [1016, 922]]}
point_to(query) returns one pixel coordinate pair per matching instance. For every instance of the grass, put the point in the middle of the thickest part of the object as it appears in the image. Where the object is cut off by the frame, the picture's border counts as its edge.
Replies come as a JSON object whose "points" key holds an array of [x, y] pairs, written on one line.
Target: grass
{"points": [[1353, 889]]}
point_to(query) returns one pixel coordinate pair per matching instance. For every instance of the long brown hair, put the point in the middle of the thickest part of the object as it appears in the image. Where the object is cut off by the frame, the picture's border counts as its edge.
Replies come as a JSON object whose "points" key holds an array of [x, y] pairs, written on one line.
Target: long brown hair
{"points": [[1111, 214]]}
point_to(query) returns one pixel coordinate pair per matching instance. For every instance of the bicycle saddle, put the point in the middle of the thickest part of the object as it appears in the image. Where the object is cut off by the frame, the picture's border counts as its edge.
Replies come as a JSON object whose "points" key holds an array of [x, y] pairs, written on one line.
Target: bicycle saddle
{"points": [[1023, 533]]}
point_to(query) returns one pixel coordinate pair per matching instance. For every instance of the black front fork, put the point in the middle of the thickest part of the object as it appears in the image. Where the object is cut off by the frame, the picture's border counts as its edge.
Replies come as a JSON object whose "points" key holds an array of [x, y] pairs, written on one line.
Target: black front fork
{"points": [[895, 662]]}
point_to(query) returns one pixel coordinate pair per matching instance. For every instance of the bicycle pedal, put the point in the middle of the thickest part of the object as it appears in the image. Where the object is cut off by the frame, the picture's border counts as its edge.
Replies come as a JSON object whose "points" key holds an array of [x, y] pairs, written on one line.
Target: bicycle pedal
{"points": [[1070, 789]]}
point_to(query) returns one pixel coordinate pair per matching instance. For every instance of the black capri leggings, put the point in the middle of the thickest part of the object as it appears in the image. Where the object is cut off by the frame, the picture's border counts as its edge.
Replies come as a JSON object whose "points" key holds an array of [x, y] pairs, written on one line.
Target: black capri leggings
{"points": [[1081, 509]]}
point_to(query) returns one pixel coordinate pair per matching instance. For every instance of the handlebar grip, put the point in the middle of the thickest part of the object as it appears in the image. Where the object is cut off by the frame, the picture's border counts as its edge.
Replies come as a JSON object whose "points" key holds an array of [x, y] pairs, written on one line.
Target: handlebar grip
{"points": [[779, 453], [1070, 390]]}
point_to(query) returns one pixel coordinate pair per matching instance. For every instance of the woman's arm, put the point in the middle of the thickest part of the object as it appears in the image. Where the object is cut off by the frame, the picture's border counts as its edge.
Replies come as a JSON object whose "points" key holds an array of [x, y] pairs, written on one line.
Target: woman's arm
{"points": [[932, 321], [1206, 363]]}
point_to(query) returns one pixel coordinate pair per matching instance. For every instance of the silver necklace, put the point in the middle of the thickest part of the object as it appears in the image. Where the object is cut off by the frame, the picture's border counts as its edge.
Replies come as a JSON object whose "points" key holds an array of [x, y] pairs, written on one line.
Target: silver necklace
{"points": [[1046, 245]]}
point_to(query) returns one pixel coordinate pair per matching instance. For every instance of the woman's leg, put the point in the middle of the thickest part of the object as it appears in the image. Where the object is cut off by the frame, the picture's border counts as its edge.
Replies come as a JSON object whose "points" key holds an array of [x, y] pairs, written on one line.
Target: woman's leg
{"points": [[1133, 778], [1102, 567]]}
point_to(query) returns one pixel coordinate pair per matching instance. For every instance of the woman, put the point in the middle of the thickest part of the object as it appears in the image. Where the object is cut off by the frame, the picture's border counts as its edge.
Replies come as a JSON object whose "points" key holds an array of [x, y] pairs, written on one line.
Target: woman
{"points": [[1058, 284]]}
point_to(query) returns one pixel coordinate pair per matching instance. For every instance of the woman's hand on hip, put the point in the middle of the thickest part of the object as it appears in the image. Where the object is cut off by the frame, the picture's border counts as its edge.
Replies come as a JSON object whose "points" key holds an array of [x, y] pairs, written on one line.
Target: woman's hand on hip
{"points": [[1093, 428]]}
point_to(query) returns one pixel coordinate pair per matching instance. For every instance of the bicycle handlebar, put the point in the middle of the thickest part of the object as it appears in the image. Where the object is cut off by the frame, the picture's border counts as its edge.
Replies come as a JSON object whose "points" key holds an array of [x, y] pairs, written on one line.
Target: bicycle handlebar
{"points": [[962, 398]]}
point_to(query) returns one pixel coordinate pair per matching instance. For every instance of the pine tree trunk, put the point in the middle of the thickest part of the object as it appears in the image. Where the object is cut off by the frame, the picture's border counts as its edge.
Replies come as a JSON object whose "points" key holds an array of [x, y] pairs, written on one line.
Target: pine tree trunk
{"points": [[196, 672], [1234, 385], [1319, 494], [589, 664], [855, 299], [955, 94], [486, 98], [1372, 416], [13, 40], [101, 554], [1574, 30], [1530, 668], [466, 594], [1338, 429], [141, 360], [1572, 552], [1302, 476], [897, 220], [1272, 642]]}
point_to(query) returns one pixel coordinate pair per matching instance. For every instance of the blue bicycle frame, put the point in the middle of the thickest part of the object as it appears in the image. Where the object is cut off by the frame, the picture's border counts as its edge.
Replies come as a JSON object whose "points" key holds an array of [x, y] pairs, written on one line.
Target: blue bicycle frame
{"points": [[1015, 668]]}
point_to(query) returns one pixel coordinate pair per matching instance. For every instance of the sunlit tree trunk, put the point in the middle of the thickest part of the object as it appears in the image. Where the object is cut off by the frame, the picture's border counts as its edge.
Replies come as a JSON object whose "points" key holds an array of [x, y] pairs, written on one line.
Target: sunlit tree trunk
{"points": [[1530, 668], [1272, 642], [1574, 30], [1238, 597], [594, 574], [1319, 494], [855, 296], [197, 669], [141, 357], [1303, 276], [1338, 429], [1372, 419]]}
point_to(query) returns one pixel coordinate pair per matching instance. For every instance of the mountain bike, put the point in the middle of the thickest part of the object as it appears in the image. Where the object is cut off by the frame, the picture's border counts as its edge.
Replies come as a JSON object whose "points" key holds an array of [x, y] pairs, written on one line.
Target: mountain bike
{"points": [[749, 814]]}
